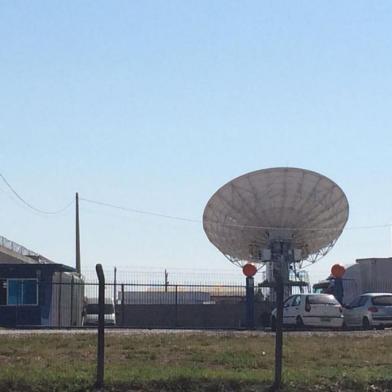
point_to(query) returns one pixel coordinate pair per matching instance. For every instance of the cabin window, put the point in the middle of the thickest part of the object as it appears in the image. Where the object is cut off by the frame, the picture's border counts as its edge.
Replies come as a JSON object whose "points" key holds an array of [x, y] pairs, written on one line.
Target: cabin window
{"points": [[22, 292]]}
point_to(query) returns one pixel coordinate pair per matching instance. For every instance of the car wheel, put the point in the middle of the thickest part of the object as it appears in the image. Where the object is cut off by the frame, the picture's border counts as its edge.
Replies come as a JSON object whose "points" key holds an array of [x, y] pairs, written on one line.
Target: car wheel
{"points": [[366, 324], [344, 326], [299, 323]]}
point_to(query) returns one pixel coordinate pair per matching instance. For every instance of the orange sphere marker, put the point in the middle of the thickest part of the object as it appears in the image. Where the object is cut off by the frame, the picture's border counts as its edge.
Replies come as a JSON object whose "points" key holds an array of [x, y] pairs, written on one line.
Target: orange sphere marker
{"points": [[337, 270], [249, 270]]}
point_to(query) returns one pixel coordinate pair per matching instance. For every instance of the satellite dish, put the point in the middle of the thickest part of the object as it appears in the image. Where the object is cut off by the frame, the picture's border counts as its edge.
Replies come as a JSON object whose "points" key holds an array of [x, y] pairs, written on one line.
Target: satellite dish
{"points": [[281, 215], [300, 207]]}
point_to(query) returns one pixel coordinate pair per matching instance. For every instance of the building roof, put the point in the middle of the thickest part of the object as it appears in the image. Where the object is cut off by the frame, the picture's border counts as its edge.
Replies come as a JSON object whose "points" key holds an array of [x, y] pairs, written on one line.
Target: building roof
{"points": [[35, 266], [374, 259], [12, 253]]}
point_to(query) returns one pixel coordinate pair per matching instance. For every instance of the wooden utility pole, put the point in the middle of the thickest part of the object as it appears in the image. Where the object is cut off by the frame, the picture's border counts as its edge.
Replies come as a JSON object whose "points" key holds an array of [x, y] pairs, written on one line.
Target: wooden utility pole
{"points": [[78, 270]]}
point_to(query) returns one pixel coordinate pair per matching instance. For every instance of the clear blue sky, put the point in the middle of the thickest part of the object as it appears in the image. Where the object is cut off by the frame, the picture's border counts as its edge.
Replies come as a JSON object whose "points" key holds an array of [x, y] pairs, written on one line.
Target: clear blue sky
{"points": [[155, 104]]}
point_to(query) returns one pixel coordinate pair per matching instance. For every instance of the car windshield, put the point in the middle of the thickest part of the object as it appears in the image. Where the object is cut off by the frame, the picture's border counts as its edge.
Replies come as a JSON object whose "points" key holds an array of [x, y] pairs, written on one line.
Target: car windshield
{"points": [[382, 300], [94, 309], [322, 300]]}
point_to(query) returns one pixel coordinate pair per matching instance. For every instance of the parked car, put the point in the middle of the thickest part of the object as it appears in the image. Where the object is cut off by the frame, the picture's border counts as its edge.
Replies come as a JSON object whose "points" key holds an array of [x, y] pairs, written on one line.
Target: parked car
{"points": [[310, 310], [369, 310], [91, 309]]}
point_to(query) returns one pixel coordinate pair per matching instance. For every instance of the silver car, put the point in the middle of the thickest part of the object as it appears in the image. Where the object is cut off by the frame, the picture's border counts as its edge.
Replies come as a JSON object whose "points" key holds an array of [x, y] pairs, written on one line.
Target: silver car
{"points": [[371, 310]]}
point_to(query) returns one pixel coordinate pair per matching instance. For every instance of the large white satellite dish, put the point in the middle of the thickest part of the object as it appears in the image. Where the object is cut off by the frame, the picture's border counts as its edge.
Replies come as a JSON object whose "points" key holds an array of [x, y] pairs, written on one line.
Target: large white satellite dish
{"points": [[280, 215], [300, 206]]}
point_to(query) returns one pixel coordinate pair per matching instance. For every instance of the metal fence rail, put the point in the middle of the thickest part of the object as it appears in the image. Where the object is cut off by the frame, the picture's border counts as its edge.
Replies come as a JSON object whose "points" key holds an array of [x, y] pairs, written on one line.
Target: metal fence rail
{"points": [[71, 304]]}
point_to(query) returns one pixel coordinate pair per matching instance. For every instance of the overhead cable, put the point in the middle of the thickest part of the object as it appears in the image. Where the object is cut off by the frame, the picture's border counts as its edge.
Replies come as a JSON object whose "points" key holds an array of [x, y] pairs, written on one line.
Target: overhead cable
{"points": [[157, 214], [26, 203], [185, 219]]}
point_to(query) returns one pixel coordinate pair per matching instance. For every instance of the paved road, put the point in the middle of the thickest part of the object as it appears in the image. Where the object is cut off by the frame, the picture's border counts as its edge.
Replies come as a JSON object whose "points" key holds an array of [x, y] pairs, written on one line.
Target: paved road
{"points": [[115, 331]]}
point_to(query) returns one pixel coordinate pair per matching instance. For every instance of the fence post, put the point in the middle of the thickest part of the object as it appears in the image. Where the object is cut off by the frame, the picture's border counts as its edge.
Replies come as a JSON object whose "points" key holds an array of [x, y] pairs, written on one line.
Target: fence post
{"points": [[72, 300], [279, 289], [176, 315], [122, 305], [166, 280], [59, 301], [115, 286], [101, 327], [250, 303], [16, 308]]}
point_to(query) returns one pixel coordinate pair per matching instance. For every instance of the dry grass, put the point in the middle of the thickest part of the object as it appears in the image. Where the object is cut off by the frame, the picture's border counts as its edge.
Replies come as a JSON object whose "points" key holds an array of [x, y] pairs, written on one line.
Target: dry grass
{"points": [[184, 362]]}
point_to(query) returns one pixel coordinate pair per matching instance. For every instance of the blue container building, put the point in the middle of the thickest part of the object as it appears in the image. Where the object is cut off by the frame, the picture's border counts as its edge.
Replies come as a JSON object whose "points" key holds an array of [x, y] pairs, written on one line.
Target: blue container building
{"points": [[37, 292]]}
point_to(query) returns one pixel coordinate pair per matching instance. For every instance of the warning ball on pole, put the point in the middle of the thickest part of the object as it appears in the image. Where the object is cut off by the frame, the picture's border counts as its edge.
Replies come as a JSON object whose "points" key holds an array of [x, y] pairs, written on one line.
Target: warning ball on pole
{"points": [[337, 271], [249, 270]]}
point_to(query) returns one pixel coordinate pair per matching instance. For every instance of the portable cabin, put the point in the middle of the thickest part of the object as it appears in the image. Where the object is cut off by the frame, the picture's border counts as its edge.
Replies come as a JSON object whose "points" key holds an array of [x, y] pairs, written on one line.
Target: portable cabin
{"points": [[37, 292]]}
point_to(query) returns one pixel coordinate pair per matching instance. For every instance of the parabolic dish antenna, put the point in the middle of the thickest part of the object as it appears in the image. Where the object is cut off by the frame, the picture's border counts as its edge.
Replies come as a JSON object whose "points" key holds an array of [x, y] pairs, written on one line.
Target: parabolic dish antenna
{"points": [[246, 215]]}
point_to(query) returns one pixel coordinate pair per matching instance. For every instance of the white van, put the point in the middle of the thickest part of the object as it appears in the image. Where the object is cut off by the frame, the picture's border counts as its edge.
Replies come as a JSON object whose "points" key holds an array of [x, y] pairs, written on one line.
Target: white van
{"points": [[90, 312]]}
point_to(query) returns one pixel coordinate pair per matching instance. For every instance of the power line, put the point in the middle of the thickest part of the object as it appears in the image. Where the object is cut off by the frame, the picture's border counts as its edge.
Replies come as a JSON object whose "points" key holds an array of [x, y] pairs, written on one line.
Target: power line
{"points": [[157, 214], [26, 203], [183, 219], [191, 220]]}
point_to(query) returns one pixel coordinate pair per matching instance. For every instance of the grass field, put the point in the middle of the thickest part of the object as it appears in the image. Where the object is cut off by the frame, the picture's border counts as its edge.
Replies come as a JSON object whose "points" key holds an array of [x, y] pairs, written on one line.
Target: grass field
{"points": [[196, 362]]}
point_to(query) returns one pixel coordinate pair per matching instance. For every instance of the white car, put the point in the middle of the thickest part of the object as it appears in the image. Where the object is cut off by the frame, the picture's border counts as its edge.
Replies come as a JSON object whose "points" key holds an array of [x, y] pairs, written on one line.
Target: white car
{"points": [[310, 310], [369, 310]]}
